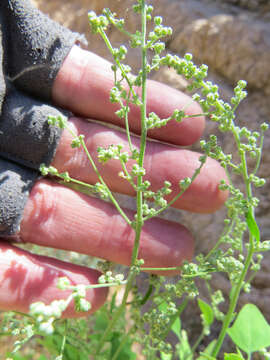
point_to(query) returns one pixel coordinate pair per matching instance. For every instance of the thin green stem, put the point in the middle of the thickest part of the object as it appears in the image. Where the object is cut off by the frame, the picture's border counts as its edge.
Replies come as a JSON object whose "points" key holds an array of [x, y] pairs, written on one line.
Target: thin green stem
{"points": [[177, 268], [197, 343], [170, 203], [127, 123], [233, 302], [123, 342], [139, 195], [112, 198], [125, 170], [181, 308], [237, 288], [24, 314], [259, 155], [96, 286], [117, 313], [64, 339], [111, 19], [110, 195], [227, 229], [147, 295], [195, 115], [120, 66], [90, 188], [139, 199]]}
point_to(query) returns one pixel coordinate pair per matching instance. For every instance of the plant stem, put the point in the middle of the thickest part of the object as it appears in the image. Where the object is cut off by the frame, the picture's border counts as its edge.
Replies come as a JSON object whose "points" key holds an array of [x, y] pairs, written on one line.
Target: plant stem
{"points": [[237, 288], [112, 198], [169, 204], [259, 156], [96, 286], [123, 72], [197, 343], [64, 339], [139, 199], [181, 308], [227, 229], [126, 121], [178, 268], [234, 299], [123, 342]]}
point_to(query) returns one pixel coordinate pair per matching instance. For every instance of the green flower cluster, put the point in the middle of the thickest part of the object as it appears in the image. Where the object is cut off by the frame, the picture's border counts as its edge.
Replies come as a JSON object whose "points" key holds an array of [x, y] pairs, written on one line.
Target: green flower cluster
{"points": [[237, 250]]}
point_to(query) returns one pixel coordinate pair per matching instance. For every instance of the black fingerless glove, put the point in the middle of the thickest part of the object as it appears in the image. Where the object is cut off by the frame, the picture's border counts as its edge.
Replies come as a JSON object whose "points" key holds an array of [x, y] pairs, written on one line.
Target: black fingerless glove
{"points": [[32, 50]]}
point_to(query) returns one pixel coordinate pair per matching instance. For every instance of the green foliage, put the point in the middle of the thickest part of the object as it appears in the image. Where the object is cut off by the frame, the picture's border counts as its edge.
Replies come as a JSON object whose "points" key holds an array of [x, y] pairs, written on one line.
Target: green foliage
{"points": [[233, 357], [250, 331], [147, 319], [207, 312]]}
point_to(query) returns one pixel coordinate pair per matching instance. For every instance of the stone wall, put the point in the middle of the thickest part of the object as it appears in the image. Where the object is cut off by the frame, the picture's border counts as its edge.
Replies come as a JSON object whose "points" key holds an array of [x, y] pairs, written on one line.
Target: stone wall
{"points": [[233, 38]]}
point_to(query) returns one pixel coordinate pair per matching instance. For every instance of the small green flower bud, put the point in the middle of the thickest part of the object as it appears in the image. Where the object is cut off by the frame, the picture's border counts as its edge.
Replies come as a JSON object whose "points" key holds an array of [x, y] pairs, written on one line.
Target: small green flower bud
{"points": [[101, 279], [84, 305], [188, 57], [44, 169], [157, 20], [46, 328], [63, 283], [264, 127]]}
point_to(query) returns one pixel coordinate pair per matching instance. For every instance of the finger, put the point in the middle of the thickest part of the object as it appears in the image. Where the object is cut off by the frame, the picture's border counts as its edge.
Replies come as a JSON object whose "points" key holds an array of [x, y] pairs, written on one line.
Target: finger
{"points": [[64, 219], [83, 85], [26, 278], [162, 162]]}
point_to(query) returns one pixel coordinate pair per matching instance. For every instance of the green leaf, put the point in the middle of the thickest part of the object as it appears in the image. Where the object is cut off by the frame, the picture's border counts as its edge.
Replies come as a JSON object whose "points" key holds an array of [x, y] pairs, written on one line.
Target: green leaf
{"points": [[206, 311], [208, 351], [250, 331], [165, 356], [233, 357], [71, 352], [205, 356], [176, 327], [113, 302], [101, 322], [126, 352], [163, 306], [252, 225], [184, 349]]}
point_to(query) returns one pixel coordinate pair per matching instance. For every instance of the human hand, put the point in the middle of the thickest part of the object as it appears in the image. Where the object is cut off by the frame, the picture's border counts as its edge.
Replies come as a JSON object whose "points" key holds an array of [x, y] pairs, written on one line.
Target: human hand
{"points": [[59, 217]]}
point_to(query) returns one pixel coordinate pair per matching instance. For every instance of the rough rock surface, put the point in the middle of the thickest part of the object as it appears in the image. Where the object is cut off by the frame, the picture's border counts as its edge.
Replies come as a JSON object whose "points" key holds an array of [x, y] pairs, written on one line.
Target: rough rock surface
{"points": [[233, 38]]}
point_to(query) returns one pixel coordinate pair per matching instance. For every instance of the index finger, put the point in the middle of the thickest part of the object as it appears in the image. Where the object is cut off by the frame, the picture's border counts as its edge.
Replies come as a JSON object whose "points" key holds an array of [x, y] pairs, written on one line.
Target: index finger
{"points": [[83, 85]]}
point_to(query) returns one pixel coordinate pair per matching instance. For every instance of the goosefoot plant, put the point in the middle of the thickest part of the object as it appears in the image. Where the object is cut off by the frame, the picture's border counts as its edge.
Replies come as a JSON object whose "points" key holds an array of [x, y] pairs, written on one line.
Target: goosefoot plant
{"points": [[113, 330]]}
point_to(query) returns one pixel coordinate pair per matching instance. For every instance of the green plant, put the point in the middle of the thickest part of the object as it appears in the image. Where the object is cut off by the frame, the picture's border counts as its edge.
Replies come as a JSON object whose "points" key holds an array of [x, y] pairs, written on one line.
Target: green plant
{"points": [[107, 334]]}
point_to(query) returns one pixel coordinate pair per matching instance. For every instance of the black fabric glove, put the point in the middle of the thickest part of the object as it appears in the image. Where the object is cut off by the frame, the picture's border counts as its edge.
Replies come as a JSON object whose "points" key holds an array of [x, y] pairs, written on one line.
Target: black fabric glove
{"points": [[32, 50]]}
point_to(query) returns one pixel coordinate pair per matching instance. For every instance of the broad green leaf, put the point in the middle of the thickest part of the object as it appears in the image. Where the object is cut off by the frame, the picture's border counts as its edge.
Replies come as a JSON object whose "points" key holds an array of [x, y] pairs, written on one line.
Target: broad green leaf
{"points": [[101, 322], [42, 357], [126, 352], [165, 356], [184, 349], [205, 356], [239, 352], [113, 302], [17, 357], [71, 352], [206, 311], [250, 331], [252, 225], [233, 357], [208, 351], [163, 306], [176, 327]]}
